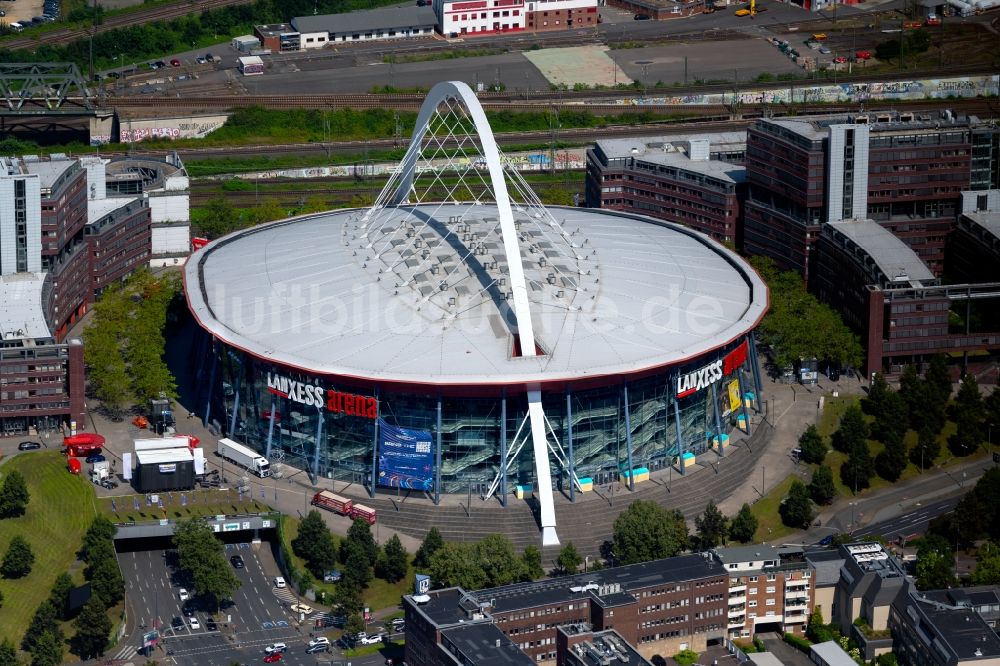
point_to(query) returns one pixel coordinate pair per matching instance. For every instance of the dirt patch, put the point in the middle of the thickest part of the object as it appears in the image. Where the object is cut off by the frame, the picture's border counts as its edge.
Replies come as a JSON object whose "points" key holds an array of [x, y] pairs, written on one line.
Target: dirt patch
{"points": [[22, 10], [588, 65]]}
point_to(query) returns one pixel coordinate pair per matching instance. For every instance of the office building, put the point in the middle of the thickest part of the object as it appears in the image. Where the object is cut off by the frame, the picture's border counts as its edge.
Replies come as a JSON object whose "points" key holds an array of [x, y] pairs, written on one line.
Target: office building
{"points": [[695, 180]]}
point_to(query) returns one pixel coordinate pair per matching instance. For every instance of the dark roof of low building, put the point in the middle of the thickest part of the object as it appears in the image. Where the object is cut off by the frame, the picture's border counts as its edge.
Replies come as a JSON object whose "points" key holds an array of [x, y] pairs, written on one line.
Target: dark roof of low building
{"points": [[444, 607], [385, 18], [965, 633], [826, 563], [616, 579], [483, 644]]}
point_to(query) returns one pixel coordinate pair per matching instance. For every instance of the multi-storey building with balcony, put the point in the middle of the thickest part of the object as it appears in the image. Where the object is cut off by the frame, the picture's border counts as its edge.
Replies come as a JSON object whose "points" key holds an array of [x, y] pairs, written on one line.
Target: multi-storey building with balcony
{"points": [[659, 607], [766, 592], [905, 172], [694, 180]]}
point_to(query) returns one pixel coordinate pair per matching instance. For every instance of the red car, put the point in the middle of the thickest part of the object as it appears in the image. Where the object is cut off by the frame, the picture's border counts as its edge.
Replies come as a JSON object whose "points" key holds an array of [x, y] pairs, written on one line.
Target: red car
{"points": [[175, 62], [840, 60], [273, 657], [863, 55]]}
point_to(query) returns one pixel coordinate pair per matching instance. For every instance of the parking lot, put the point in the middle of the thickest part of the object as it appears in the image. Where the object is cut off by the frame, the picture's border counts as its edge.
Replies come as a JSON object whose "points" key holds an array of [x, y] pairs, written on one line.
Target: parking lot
{"points": [[257, 616]]}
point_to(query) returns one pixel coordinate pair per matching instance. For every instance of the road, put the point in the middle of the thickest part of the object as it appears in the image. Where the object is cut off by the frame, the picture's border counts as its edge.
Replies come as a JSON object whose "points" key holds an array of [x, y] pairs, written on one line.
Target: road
{"points": [[912, 522]]}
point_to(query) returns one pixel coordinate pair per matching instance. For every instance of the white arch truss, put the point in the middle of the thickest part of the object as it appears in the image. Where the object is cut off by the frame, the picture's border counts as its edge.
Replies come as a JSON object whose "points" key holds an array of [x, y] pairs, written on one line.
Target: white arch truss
{"points": [[453, 158]]}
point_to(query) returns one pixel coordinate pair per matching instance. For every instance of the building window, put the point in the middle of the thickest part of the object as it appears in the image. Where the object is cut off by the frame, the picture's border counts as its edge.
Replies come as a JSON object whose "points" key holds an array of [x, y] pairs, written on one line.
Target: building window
{"points": [[770, 602], [770, 589]]}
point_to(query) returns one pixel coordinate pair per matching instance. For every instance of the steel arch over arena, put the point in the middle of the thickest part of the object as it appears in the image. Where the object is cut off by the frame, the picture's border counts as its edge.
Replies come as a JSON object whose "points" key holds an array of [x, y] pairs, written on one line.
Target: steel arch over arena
{"points": [[432, 341]]}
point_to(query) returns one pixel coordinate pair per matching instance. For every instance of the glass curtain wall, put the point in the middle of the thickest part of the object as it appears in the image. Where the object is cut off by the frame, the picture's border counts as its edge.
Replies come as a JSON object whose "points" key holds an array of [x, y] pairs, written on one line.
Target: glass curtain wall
{"points": [[471, 427]]}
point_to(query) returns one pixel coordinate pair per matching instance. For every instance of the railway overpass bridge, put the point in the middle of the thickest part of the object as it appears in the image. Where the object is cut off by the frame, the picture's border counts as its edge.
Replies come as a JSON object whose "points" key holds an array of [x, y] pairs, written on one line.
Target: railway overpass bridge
{"points": [[49, 103]]}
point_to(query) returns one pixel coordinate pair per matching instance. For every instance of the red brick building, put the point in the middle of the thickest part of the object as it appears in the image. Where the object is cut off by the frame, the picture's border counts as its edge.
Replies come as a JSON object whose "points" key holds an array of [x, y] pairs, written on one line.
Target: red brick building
{"points": [[695, 180]]}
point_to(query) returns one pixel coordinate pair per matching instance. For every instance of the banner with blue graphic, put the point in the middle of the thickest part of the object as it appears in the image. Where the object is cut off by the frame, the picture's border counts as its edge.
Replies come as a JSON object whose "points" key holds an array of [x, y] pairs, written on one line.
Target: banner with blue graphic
{"points": [[406, 458]]}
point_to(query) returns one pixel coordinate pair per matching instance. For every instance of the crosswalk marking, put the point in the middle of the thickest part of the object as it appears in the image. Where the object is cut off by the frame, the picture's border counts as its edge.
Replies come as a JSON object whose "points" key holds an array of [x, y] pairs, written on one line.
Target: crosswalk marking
{"points": [[125, 652], [284, 594]]}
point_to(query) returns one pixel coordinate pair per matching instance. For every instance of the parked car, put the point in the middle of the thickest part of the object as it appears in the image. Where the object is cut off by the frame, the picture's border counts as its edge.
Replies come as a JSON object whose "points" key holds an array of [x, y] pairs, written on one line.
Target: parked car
{"points": [[174, 62], [183, 594], [840, 60], [29, 446], [275, 648], [319, 640], [371, 640], [201, 60], [96, 458], [194, 623], [273, 657], [641, 17], [320, 647], [863, 55]]}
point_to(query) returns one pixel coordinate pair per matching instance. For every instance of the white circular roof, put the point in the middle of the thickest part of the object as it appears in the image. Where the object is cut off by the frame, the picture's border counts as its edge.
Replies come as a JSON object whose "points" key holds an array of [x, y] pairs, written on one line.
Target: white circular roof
{"points": [[617, 294]]}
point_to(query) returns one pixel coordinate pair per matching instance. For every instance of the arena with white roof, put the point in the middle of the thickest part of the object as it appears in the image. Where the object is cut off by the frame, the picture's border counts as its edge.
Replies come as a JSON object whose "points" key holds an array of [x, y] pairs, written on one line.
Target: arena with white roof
{"points": [[429, 344]]}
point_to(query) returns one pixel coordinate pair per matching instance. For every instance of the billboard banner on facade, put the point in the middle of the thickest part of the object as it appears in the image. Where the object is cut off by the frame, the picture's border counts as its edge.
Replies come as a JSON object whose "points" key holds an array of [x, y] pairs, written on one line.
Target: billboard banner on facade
{"points": [[734, 395], [406, 458]]}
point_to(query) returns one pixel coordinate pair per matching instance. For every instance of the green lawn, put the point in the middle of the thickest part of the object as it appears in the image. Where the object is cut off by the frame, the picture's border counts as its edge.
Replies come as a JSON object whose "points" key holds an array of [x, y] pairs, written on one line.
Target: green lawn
{"points": [[379, 595], [59, 512], [834, 410], [769, 525], [199, 503]]}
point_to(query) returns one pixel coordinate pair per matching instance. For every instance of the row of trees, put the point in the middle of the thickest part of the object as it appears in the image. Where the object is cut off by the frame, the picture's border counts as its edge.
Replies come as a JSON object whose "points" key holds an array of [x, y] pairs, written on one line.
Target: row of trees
{"points": [[202, 560], [124, 345], [44, 638], [798, 325]]}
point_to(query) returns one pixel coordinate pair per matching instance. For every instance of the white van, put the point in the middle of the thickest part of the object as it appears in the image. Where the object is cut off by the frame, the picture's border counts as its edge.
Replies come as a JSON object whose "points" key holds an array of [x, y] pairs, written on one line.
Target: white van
{"points": [[16, 27]]}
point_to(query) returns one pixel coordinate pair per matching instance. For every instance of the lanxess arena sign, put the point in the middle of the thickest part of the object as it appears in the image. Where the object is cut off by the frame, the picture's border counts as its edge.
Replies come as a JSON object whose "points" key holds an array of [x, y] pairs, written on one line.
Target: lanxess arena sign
{"points": [[311, 395]]}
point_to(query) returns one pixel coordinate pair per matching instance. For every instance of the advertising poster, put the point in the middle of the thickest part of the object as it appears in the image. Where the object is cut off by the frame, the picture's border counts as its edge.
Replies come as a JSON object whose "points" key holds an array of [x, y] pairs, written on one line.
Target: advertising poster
{"points": [[734, 395], [406, 458]]}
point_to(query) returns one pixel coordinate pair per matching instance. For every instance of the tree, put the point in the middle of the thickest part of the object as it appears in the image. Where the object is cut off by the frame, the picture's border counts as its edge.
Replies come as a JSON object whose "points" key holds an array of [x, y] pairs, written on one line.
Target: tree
{"points": [[220, 218], [93, 627], [315, 544], [821, 488], [395, 561], [798, 325], [796, 509], [360, 533], [888, 409], [357, 567], [532, 558], [8, 653], [858, 469], [891, 461], [743, 525], [48, 650], [812, 446], [874, 403], [354, 624], [18, 559], [712, 527], [646, 531], [935, 563], [107, 584], [432, 541], [934, 572], [937, 377], [347, 598], [987, 570], [968, 412], [100, 533], [853, 430], [456, 564], [202, 559], [500, 564], [927, 449], [14, 495], [817, 631], [569, 559], [45, 620], [59, 596]]}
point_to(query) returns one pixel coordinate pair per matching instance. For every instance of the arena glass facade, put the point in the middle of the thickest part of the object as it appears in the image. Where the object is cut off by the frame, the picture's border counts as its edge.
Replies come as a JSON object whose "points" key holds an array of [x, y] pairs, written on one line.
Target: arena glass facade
{"points": [[610, 424]]}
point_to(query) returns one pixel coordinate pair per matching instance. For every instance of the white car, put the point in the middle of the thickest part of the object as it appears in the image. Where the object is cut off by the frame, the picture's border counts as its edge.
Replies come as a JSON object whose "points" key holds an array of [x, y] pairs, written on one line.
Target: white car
{"points": [[276, 647], [183, 594], [370, 640], [279, 582], [301, 608], [319, 640], [195, 624]]}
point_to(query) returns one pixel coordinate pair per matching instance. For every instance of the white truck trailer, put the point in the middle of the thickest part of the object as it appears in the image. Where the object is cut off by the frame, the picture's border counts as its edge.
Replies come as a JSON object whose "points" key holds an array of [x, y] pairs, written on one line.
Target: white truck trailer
{"points": [[244, 457]]}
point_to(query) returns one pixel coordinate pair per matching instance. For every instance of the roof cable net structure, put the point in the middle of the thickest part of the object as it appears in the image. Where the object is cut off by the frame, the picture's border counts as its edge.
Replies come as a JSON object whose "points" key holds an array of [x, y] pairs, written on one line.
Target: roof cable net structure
{"points": [[461, 267]]}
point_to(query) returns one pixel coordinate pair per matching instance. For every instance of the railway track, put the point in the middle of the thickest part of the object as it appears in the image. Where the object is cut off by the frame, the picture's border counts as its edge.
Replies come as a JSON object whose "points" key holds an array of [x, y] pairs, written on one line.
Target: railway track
{"points": [[161, 13]]}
